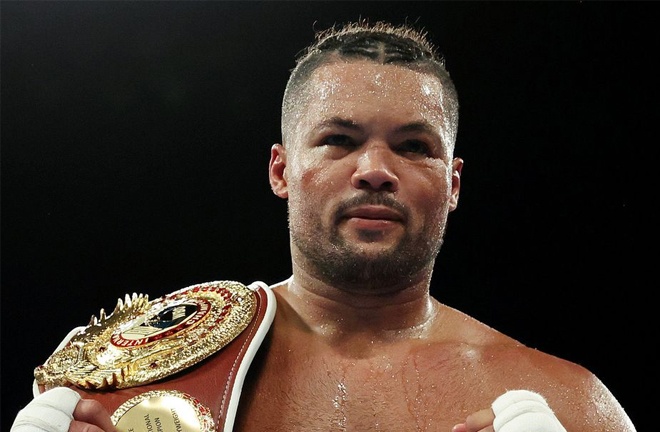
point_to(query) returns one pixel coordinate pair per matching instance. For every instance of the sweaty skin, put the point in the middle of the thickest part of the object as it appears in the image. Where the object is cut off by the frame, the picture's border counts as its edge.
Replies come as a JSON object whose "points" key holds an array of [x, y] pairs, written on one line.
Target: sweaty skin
{"points": [[358, 344], [369, 178], [364, 346]]}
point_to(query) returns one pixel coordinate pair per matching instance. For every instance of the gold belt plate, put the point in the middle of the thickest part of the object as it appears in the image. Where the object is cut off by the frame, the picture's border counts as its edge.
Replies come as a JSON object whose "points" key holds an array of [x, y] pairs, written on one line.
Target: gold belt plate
{"points": [[143, 341]]}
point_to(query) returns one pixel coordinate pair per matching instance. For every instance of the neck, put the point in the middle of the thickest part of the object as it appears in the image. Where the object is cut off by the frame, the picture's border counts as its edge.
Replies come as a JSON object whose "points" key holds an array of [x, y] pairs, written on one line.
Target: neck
{"points": [[403, 310]]}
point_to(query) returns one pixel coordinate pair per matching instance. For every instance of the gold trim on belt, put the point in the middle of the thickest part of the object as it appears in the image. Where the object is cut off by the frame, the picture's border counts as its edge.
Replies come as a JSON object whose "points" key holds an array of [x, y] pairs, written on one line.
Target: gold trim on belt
{"points": [[142, 341]]}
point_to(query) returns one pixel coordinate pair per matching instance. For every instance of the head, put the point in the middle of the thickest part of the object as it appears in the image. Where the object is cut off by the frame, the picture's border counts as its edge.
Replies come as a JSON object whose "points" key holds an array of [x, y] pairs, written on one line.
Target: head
{"points": [[369, 122], [381, 43]]}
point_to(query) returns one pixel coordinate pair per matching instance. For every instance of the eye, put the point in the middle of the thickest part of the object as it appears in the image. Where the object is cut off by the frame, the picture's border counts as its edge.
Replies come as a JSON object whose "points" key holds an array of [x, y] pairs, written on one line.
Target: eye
{"points": [[339, 140], [414, 146]]}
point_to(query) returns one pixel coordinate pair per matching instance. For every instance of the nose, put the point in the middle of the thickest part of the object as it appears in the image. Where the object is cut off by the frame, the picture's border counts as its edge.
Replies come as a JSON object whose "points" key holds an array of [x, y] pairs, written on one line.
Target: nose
{"points": [[374, 170]]}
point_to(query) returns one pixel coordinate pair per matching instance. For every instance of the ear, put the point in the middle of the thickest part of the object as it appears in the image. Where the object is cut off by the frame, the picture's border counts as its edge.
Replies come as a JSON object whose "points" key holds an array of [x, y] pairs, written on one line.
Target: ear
{"points": [[276, 171], [457, 167]]}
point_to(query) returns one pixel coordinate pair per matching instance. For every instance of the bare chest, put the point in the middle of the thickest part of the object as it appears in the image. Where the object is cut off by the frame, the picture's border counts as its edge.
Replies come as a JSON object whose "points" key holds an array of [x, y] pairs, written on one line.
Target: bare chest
{"points": [[318, 390]]}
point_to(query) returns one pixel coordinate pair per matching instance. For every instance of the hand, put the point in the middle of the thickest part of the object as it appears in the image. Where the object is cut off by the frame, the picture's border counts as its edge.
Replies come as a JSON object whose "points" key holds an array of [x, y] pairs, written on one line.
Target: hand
{"points": [[91, 416], [61, 409], [516, 411], [480, 421]]}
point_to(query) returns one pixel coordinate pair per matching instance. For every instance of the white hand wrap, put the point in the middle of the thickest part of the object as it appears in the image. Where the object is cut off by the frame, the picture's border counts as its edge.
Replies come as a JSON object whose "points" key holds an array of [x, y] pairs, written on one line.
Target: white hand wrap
{"points": [[51, 411], [524, 411]]}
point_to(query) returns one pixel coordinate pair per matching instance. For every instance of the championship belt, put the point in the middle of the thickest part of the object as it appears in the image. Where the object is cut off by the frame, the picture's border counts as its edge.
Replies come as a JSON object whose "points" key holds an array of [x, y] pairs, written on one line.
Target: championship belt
{"points": [[176, 363]]}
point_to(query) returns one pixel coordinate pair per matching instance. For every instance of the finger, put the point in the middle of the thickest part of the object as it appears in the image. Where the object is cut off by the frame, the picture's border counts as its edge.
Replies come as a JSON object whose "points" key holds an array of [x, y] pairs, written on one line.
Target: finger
{"points": [[94, 413], [461, 427], [480, 421], [78, 426]]}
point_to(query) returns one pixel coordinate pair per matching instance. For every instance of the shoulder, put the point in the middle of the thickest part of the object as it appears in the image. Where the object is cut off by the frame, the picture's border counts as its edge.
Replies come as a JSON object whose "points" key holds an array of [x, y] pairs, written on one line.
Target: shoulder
{"points": [[496, 354], [580, 399]]}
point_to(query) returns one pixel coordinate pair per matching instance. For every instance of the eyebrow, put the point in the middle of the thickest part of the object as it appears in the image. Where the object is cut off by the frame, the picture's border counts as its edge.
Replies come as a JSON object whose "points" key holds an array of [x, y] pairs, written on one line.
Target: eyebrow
{"points": [[419, 126], [338, 121]]}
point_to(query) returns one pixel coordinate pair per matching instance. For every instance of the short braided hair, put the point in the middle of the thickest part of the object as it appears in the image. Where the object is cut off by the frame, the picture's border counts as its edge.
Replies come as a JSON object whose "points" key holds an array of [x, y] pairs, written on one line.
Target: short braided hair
{"points": [[380, 42]]}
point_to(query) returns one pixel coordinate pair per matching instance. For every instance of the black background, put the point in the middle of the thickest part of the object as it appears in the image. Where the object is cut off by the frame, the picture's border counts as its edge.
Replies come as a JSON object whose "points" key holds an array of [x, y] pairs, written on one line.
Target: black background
{"points": [[136, 137]]}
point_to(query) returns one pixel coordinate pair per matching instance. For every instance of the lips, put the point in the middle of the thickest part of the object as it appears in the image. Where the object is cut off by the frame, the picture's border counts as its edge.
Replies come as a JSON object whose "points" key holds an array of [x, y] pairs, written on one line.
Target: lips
{"points": [[373, 212]]}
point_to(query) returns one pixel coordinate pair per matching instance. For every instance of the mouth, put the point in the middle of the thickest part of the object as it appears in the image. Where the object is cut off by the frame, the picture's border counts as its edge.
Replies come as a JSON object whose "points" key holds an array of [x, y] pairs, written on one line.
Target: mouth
{"points": [[372, 217]]}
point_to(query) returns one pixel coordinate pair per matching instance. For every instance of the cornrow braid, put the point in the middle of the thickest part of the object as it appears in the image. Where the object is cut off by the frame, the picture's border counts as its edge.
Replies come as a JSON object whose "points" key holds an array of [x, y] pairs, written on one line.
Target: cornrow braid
{"points": [[380, 42]]}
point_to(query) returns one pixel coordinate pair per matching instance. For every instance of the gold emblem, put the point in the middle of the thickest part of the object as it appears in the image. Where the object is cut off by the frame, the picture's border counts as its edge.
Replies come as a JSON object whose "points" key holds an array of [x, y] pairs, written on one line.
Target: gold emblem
{"points": [[142, 341], [162, 410]]}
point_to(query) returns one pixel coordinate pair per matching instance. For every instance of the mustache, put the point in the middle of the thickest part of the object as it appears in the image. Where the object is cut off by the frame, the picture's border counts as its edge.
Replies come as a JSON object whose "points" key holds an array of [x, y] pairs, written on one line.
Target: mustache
{"points": [[372, 199]]}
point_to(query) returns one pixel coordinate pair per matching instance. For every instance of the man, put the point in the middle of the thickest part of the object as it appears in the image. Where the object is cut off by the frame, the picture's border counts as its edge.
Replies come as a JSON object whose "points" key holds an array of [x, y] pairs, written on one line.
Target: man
{"points": [[367, 165]]}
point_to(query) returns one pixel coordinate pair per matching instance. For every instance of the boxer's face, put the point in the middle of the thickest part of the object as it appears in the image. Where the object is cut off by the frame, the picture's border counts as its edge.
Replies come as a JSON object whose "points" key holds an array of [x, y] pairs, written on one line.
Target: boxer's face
{"points": [[369, 173]]}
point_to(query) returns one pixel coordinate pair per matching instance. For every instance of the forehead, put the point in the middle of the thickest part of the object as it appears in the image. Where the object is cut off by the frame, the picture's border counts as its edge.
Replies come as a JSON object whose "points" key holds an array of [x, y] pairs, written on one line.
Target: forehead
{"points": [[365, 85]]}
